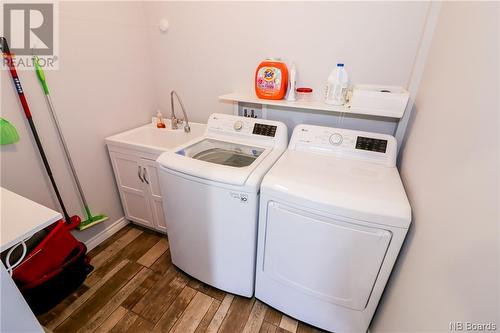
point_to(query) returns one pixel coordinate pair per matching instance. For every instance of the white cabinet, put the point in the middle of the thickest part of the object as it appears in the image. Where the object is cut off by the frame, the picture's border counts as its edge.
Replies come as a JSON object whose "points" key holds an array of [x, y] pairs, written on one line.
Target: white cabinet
{"points": [[137, 181], [133, 155], [153, 181]]}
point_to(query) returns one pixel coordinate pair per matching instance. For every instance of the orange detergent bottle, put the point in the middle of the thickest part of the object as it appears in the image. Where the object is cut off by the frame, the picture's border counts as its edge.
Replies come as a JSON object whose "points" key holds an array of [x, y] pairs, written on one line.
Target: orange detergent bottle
{"points": [[271, 79]]}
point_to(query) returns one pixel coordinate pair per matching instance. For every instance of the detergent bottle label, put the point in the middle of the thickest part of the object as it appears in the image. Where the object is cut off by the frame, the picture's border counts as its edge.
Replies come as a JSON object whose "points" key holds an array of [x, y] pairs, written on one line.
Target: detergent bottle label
{"points": [[269, 80]]}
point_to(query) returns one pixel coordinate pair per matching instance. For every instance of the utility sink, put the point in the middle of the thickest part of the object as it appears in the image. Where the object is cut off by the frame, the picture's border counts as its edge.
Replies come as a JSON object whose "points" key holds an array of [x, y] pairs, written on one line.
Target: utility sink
{"points": [[150, 139]]}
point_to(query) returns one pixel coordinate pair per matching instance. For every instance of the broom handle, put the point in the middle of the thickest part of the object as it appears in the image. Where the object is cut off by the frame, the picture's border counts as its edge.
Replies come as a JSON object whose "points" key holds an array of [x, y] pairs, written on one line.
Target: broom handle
{"points": [[43, 82], [66, 151], [27, 112]]}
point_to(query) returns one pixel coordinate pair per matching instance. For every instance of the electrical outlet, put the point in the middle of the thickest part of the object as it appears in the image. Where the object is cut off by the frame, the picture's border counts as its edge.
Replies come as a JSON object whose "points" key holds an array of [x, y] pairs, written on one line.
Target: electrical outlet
{"points": [[254, 111]]}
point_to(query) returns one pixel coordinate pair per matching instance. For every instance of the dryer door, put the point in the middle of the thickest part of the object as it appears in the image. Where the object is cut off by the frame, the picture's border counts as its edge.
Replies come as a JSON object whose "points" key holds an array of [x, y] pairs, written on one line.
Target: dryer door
{"points": [[330, 259]]}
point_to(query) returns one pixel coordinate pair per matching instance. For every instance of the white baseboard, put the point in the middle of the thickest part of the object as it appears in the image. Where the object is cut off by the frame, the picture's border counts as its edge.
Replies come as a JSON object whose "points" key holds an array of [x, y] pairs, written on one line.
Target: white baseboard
{"points": [[106, 233]]}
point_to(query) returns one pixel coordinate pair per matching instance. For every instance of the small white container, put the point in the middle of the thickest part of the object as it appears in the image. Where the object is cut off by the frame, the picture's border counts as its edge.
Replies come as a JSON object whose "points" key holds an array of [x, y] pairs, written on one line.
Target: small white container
{"points": [[304, 94], [390, 99]]}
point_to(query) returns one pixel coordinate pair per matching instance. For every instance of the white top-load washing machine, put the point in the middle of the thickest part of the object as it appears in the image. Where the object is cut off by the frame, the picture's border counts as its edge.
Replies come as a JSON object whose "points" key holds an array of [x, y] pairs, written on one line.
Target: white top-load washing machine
{"points": [[210, 188], [333, 217]]}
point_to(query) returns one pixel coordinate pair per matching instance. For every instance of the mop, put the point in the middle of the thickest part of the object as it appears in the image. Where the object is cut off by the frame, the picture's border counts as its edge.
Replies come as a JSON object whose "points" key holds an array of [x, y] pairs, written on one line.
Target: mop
{"points": [[71, 220], [91, 219]]}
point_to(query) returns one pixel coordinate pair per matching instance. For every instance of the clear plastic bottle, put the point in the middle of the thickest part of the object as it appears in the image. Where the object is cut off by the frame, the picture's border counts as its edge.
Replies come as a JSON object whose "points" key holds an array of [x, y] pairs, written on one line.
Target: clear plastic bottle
{"points": [[336, 89], [159, 120]]}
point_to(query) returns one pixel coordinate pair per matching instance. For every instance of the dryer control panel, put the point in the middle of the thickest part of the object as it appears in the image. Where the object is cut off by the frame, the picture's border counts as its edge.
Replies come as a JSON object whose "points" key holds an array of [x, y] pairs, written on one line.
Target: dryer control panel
{"points": [[375, 147]]}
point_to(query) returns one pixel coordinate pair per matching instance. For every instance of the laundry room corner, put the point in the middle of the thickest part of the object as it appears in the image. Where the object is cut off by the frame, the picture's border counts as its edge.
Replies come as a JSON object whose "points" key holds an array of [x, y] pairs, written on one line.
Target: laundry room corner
{"points": [[101, 88], [447, 166]]}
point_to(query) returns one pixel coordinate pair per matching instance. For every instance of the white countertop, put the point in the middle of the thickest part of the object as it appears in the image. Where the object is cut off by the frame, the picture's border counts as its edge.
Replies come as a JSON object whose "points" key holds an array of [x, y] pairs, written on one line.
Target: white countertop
{"points": [[21, 218]]}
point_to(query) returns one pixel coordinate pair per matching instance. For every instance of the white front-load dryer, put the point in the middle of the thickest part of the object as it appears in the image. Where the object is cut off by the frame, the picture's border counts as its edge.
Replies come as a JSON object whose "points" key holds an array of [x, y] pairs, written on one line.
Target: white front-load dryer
{"points": [[210, 190], [333, 216]]}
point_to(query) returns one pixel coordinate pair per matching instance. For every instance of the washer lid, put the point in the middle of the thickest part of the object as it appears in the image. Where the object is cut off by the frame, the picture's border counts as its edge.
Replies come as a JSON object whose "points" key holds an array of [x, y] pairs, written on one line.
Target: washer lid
{"points": [[214, 159], [346, 187]]}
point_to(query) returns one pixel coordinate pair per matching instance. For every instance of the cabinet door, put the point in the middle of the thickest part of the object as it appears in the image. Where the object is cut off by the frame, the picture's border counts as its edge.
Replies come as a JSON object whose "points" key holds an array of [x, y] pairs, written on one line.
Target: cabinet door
{"points": [[150, 176], [133, 192]]}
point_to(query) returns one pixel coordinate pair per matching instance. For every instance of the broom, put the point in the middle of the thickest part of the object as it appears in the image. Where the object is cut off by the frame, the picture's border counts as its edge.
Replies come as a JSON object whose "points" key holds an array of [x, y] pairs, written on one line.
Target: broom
{"points": [[91, 219]]}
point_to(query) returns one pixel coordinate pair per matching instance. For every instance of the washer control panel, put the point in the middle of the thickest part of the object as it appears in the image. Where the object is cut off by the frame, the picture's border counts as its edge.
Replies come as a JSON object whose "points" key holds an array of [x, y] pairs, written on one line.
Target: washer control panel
{"points": [[238, 125], [260, 130], [376, 147], [263, 129]]}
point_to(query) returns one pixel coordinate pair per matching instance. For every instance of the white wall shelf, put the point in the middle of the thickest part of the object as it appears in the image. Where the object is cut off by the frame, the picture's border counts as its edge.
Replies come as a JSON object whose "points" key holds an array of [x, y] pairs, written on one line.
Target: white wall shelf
{"points": [[307, 105]]}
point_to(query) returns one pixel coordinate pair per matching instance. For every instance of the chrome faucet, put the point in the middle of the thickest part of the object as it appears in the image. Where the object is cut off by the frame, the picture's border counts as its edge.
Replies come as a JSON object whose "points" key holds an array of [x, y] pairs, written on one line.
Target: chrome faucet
{"points": [[175, 121]]}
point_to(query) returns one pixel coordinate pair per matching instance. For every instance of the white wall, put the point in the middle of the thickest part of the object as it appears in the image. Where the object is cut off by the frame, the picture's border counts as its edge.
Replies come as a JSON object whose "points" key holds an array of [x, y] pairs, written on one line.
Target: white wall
{"points": [[449, 268], [116, 67], [103, 87], [213, 48]]}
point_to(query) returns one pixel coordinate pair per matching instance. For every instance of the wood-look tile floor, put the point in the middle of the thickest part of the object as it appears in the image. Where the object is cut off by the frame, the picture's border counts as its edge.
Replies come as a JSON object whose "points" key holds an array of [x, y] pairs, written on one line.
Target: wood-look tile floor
{"points": [[135, 288]]}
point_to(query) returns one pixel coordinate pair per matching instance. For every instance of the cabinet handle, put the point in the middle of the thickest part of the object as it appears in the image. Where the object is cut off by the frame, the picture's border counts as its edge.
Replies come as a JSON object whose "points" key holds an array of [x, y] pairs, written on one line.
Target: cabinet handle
{"points": [[144, 176], [139, 173]]}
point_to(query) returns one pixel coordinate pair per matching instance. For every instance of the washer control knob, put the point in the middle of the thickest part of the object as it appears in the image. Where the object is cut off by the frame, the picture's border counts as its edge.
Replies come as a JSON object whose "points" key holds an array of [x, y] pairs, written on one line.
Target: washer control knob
{"points": [[238, 125], [336, 139]]}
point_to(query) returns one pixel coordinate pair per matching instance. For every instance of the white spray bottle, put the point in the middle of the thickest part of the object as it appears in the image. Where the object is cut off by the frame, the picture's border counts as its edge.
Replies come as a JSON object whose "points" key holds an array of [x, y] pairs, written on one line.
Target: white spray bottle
{"points": [[292, 82]]}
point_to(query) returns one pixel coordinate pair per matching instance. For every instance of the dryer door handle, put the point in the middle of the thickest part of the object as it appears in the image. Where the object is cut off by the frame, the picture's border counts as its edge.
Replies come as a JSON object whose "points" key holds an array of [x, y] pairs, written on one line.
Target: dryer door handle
{"points": [[144, 174], [139, 173]]}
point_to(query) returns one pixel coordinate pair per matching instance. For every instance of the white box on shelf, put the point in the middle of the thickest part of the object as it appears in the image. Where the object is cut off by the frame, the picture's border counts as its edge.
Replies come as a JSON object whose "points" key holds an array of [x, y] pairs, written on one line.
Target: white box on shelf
{"points": [[389, 99]]}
